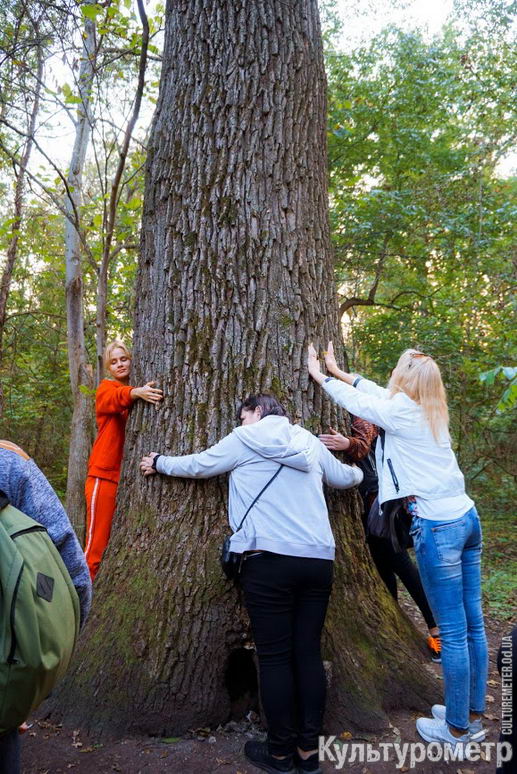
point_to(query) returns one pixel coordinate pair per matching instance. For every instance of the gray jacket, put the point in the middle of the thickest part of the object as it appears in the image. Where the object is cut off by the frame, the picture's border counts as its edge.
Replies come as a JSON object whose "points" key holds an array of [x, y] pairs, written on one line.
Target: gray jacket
{"points": [[291, 516]]}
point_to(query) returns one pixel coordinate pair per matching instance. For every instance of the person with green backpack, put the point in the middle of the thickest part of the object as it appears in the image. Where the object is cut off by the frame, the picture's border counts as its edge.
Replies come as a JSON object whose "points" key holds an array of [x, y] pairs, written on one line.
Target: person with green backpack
{"points": [[45, 594]]}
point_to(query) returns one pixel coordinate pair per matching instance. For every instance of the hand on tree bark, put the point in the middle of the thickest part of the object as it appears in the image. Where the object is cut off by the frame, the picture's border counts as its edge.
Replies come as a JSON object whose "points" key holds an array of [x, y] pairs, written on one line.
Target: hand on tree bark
{"points": [[313, 365], [333, 368], [330, 359], [146, 465], [147, 393], [334, 440]]}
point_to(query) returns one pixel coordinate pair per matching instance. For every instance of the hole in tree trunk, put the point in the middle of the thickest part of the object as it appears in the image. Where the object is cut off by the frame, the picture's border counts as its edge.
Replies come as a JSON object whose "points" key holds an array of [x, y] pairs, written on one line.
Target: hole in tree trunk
{"points": [[241, 682]]}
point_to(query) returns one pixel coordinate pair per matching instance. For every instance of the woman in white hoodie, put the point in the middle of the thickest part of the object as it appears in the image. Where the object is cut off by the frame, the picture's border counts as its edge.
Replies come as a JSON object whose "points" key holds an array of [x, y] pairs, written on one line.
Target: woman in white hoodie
{"points": [[416, 463], [286, 576]]}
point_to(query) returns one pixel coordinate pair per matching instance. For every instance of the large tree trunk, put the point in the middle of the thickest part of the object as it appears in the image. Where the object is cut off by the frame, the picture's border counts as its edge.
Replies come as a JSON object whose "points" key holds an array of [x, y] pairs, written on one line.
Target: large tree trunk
{"points": [[235, 280]]}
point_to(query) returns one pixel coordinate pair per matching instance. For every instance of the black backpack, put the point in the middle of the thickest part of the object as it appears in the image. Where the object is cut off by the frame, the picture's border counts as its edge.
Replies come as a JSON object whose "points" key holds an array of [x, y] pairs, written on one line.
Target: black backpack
{"points": [[370, 482]]}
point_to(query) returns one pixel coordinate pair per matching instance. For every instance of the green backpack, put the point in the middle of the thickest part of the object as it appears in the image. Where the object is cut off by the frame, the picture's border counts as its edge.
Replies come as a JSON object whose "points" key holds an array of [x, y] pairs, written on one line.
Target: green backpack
{"points": [[39, 615]]}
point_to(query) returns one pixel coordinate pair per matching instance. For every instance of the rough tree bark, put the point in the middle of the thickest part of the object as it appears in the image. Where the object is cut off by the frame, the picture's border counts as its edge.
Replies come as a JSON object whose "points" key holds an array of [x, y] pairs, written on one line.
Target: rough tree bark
{"points": [[235, 279], [81, 381]]}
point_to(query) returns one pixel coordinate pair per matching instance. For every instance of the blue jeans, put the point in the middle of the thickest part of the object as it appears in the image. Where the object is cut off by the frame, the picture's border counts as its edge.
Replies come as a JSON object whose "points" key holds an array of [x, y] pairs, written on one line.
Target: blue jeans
{"points": [[449, 559]]}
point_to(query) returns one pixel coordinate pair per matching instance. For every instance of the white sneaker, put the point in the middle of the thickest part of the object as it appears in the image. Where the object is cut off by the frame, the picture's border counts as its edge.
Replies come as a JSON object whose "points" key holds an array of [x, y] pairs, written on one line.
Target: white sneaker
{"points": [[476, 731], [433, 730]]}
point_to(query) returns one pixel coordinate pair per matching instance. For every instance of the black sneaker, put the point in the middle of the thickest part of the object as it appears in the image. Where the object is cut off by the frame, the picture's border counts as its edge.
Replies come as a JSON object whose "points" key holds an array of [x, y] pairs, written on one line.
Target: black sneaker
{"points": [[311, 764], [435, 646], [258, 754]]}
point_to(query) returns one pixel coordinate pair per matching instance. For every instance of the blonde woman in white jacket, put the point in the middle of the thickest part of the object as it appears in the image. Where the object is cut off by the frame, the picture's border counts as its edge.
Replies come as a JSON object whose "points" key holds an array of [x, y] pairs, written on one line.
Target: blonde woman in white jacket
{"points": [[417, 463]]}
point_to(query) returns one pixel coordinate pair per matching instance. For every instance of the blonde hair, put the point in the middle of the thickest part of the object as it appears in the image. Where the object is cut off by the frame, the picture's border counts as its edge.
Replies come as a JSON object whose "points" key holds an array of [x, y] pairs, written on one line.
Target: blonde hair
{"points": [[115, 344], [418, 376]]}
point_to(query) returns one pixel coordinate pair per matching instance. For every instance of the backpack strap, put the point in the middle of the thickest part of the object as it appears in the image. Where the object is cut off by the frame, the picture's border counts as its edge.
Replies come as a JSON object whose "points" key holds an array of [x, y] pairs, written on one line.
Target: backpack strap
{"points": [[16, 449]]}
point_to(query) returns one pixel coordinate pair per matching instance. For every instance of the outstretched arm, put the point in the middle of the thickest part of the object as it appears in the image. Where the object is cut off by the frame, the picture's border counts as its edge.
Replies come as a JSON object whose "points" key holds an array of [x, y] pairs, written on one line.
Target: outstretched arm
{"points": [[353, 380], [113, 398], [331, 365], [333, 368], [220, 458], [338, 474]]}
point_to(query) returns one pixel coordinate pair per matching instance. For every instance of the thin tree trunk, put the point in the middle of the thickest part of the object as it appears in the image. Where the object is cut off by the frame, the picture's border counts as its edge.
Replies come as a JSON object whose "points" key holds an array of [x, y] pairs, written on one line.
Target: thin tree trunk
{"points": [[102, 286], [81, 380], [12, 249], [235, 280]]}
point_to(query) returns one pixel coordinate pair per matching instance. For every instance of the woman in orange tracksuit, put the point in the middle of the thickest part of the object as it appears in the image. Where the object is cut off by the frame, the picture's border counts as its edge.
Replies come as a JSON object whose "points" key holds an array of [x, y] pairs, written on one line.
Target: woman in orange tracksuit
{"points": [[113, 399]]}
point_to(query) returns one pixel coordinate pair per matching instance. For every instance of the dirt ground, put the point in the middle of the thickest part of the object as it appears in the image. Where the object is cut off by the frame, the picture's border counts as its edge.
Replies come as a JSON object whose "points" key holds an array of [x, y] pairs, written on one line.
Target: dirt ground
{"points": [[47, 749]]}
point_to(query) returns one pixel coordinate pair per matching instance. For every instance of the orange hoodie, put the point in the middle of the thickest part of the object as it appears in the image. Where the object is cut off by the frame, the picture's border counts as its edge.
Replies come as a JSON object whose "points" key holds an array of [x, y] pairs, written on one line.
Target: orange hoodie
{"points": [[112, 402]]}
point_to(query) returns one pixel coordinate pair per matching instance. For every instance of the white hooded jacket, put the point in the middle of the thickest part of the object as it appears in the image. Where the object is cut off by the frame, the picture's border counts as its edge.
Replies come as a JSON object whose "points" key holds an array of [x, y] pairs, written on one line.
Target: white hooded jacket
{"points": [[291, 515], [412, 462]]}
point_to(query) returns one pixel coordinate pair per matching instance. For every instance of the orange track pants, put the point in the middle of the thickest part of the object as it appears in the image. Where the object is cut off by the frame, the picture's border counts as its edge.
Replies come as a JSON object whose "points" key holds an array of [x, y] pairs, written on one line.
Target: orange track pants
{"points": [[101, 497]]}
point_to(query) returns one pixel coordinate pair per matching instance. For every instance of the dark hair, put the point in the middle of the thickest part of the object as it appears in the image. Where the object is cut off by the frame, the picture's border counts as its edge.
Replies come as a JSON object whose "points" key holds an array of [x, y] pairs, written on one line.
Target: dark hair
{"points": [[268, 403]]}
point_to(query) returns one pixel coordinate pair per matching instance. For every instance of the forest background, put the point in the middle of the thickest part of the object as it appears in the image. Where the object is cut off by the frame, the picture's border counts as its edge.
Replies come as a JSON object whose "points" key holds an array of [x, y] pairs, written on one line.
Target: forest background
{"points": [[421, 137]]}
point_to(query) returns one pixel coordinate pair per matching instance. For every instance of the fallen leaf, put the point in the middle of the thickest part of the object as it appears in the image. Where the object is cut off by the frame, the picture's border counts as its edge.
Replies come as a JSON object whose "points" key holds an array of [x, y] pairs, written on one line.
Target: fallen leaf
{"points": [[170, 739], [492, 682], [345, 735], [490, 699]]}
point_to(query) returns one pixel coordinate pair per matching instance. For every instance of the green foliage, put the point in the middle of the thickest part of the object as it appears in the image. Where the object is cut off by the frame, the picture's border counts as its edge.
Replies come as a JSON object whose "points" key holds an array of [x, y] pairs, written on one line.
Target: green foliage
{"points": [[37, 409], [423, 219], [499, 564], [91, 10], [509, 396], [34, 369]]}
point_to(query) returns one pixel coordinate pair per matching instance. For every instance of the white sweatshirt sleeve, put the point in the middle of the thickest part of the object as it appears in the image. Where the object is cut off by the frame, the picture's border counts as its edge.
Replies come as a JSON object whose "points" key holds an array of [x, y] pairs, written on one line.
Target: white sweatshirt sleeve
{"points": [[338, 474], [376, 408], [220, 458], [371, 388]]}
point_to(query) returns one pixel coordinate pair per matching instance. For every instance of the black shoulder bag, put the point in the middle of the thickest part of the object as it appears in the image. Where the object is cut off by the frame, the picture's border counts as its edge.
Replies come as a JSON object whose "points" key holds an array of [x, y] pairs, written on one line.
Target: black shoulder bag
{"points": [[231, 561]]}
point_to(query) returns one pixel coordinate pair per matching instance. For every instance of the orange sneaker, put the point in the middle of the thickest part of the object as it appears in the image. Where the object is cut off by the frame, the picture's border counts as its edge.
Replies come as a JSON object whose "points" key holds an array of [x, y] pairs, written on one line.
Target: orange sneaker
{"points": [[435, 646]]}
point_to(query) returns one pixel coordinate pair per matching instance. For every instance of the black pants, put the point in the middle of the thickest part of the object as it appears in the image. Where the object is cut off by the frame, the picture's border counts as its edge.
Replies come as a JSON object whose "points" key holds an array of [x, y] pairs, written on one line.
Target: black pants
{"points": [[391, 563], [286, 598], [10, 752]]}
